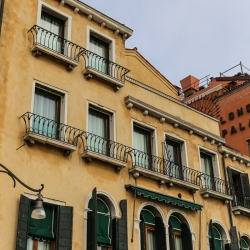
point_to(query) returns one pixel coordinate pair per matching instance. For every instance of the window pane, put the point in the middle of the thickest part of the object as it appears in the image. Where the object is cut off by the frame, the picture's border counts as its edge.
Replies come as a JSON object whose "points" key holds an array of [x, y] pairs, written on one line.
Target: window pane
{"points": [[178, 243], [45, 105], [207, 169], [151, 240], [142, 143]]}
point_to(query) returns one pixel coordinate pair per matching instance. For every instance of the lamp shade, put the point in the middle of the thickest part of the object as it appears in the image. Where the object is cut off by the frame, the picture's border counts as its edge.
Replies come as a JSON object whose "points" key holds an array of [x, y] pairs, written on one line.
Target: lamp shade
{"points": [[38, 212]]}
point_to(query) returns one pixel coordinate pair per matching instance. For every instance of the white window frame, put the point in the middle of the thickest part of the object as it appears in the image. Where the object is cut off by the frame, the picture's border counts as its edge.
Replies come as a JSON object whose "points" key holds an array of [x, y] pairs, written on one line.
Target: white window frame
{"points": [[183, 145], [60, 14], [153, 130], [215, 160], [112, 118], [56, 91], [103, 37]]}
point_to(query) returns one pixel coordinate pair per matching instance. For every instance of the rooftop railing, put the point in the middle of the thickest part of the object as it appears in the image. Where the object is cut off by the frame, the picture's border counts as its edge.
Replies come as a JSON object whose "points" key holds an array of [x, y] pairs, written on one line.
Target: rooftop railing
{"points": [[50, 128], [55, 43], [104, 65]]}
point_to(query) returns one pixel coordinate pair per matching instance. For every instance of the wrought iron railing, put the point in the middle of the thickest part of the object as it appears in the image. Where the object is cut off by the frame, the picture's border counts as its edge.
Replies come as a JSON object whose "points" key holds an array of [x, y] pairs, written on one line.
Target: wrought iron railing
{"points": [[49, 128], [104, 65], [165, 167], [215, 184], [240, 199], [103, 146], [55, 43]]}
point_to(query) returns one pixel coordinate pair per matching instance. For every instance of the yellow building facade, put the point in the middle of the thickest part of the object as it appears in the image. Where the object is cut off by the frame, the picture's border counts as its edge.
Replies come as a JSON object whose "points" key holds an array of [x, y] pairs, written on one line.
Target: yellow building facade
{"points": [[124, 164]]}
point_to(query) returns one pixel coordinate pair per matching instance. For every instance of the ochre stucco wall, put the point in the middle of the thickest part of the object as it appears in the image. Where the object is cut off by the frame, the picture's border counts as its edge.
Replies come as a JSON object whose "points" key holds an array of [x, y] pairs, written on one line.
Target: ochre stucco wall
{"points": [[71, 179]]}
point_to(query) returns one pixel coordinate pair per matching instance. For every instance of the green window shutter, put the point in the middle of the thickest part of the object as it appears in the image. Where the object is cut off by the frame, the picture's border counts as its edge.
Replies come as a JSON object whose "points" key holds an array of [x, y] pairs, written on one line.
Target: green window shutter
{"points": [[176, 224], [23, 223], [92, 224], [230, 177], [160, 234], [211, 233], [235, 243], [64, 228], [42, 228], [171, 235], [119, 229], [186, 237], [143, 233]]}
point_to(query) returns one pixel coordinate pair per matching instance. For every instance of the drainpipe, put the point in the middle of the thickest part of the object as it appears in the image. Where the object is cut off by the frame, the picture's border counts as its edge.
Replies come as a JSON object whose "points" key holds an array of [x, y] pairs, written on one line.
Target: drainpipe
{"points": [[228, 205]]}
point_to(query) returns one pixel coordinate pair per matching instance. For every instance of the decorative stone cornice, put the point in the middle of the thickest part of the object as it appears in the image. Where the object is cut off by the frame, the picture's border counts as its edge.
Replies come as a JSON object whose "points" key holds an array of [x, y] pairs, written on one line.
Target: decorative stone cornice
{"points": [[176, 121], [235, 156], [99, 18], [157, 92]]}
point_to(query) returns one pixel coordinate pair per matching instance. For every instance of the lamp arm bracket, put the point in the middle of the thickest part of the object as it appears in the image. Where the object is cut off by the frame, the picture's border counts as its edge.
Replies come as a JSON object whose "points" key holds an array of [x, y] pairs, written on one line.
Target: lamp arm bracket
{"points": [[15, 178]]}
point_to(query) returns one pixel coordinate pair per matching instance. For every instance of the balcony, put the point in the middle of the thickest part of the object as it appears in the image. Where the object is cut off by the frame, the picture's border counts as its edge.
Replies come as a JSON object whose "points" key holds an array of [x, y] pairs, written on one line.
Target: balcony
{"points": [[96, 147], [241, 204], [215, 187], [101, 68], [53, 45], [164, 171], [47, 131]]}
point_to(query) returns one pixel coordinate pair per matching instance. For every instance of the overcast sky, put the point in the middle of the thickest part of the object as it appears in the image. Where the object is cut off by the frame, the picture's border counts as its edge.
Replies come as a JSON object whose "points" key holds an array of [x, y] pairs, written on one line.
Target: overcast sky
{"points": [[185, 37]]}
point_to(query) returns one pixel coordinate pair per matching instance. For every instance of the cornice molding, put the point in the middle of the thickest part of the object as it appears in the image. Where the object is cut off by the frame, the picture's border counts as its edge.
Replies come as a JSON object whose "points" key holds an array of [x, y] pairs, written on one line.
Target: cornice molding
{"points": [[157, 92], [99, 17], [176, 121]]}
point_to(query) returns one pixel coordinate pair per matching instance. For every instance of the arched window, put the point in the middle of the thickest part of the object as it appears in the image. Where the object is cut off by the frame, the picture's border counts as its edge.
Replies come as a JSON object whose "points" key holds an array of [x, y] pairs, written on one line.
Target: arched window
{"points": [[243, 243], [103, 224], [216, 237], [153, 234], [179, 234]]}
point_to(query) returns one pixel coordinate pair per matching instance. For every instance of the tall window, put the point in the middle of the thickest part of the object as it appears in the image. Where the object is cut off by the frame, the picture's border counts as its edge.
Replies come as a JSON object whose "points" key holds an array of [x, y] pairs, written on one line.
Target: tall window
{"points": [[240, 188], [103, 224], [53, 40], [173, 155], [99, 61], [53, 232], [47, 113], [99, 127], [142, 143], [207, 169], [153, 235], [243, 243], [215, 237], [180, 237]]}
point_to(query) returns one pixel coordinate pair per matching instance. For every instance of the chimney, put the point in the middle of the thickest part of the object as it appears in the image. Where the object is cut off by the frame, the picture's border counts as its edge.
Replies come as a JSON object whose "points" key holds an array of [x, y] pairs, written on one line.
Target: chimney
{"points": [[190, 85]]}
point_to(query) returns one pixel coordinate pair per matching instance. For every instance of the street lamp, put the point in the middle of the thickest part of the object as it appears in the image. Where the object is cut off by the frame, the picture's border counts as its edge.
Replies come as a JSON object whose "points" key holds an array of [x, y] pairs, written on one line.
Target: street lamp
{"points": [[38, 212]]}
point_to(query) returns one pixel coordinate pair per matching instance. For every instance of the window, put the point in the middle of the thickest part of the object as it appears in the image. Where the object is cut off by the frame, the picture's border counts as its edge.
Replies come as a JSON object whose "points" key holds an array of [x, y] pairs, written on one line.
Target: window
{"points": [[207, 169], [215, 238], [47, 108], [244, 244], [52, 233], [54, 38], [100, 125], [100, 59], [103, 224], [240, 188], [174, 160], [152, 228], [179, 234], [142, 143]]}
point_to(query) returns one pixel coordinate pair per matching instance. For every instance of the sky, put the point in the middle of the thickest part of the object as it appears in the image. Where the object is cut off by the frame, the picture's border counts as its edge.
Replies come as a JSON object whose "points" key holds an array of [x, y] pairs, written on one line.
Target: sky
{"points": [[185, 37]]}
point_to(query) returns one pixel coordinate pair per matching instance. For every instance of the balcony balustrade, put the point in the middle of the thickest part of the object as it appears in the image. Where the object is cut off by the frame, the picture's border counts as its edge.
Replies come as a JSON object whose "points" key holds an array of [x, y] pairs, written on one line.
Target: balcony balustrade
{"points": [[47, 131], [215, 187], [107, 70], [103, 149], [164, 170], [241, 203], [51, 44]]}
